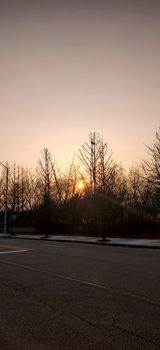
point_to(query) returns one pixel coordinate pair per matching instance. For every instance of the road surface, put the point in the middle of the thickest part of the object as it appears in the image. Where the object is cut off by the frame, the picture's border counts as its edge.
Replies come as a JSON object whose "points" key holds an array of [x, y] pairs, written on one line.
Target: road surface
{"points": [[56, 296]]}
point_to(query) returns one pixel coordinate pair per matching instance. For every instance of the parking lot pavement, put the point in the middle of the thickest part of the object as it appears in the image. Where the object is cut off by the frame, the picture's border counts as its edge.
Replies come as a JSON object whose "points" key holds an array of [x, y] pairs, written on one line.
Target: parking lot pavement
{"points": [[59, 295]]}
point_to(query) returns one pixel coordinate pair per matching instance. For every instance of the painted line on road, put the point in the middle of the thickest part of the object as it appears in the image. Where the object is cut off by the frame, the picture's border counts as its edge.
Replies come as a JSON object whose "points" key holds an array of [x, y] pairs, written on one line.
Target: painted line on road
{"points": [[14, 251], [68, 278], [53, 245], [91, 284], [12, 246]]}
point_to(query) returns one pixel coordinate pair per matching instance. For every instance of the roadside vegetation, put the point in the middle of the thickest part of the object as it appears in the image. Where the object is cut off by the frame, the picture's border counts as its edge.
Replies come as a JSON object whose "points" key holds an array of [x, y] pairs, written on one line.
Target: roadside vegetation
{"points": [[93, 195]]}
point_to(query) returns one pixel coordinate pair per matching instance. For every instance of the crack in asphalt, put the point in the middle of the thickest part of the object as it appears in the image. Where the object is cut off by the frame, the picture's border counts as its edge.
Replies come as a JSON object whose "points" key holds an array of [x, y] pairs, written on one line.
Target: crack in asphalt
{"points": [[111, 327], [134, 334], [84, 283], [107, 327]]}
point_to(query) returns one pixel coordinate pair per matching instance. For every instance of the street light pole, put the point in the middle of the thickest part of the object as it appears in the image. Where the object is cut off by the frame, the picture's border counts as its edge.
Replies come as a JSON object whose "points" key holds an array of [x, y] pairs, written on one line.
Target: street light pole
{"points": [[6, 198]]}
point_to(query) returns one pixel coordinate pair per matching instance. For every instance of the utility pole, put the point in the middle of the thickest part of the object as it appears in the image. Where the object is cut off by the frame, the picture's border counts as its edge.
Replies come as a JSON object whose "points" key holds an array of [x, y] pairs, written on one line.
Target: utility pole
{"points": [[18, 190], [6, 198], [22, 190], [14, 188]]}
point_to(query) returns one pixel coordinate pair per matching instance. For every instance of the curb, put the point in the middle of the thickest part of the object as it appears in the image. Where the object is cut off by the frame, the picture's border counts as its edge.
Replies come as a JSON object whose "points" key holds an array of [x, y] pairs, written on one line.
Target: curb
{"points": [[122, 245]]}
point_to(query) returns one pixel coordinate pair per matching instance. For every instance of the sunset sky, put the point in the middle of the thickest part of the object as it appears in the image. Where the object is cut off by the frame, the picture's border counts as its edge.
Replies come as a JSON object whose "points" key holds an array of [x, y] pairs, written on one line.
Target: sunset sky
{"points": [[69, 68]]}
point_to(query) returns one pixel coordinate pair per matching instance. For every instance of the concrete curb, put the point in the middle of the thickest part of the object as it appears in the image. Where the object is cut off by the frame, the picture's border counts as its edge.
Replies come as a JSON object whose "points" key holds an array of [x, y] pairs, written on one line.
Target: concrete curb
{"points": [[123, 245]]}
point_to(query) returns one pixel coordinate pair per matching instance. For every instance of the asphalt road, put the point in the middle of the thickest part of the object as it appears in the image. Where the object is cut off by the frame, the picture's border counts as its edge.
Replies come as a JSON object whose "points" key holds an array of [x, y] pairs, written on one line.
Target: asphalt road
{"points": [[76, 296]]}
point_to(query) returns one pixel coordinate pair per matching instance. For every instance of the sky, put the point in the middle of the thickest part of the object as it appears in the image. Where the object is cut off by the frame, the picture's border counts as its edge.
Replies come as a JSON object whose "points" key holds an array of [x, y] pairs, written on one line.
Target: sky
{"points": [[68, 68]]}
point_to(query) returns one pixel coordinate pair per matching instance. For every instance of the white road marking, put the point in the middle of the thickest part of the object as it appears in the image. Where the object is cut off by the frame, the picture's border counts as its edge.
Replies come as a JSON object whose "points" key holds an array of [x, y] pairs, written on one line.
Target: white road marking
{"points": [[14, 251], [57, 275], [54, 245]]}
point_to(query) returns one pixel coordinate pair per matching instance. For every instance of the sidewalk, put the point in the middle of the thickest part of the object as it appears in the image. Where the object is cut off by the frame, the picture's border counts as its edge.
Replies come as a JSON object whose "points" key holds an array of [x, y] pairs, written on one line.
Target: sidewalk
{"points": [[122, 242]]}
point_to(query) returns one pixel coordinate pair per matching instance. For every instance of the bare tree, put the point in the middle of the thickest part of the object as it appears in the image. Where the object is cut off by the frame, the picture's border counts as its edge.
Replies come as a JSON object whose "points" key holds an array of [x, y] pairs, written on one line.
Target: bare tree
{"points": [[2, 190], [151, 166], [45, 175], [89, 155], [151, 169]]}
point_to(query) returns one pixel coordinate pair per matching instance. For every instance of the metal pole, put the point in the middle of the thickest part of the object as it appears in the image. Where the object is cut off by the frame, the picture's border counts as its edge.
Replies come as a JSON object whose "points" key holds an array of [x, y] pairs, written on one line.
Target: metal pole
{"points": [[6, 199], [6, 203]]}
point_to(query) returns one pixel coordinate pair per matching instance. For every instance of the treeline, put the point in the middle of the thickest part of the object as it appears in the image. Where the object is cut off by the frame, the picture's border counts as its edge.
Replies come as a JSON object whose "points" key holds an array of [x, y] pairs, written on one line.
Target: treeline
{"points": [[93, 195]]}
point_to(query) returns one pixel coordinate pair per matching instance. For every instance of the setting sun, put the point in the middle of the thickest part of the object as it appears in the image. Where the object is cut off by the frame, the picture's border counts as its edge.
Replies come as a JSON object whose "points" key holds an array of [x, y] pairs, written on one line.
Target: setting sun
{"points": [[80, 186]]}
